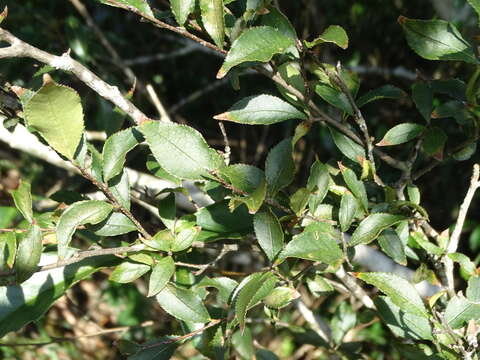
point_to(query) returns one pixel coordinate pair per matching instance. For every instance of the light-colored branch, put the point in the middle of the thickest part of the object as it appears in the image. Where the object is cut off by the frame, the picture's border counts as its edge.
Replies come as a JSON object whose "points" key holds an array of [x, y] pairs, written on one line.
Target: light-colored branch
{"points": [[455, 238], [316, 323], [356, 290], [19, 48], [158, 104]]}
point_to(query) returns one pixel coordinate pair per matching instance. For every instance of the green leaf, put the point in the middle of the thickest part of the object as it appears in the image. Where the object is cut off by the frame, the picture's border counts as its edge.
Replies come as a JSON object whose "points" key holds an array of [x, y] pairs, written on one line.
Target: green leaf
{"points": [[423, 241], [224, 285], [333, 34], [422, 96], [281, 297], [157, 349], [279, 166], [275, 19], [356, 186], [255, 200], [401, 133], [383, 92], [455, 88], [212, 20], [115, 224], [269, 233], [460, 311], [437, 40], [403, 324], [22, 304], [372, 226], [318, 180], [218, 218], [128, 271], [334, 97], [475, 4], [392, 245], [141, 5], [465, 263], [348, 209], [318, 242], [120, 188], [398, 290], [299, 200], [8, 249], [181, 9], [473, 289], [22, 197], [244, 177], [348, 147], [185, 238], [28, 254], [242, 342], [55, 111], [250, 292], [255, 44], [261, 110], [161, 274], [181, 150], [154, 167], [79, 213], [434, 142], [167, 210], [115, 150], [182, 304]]}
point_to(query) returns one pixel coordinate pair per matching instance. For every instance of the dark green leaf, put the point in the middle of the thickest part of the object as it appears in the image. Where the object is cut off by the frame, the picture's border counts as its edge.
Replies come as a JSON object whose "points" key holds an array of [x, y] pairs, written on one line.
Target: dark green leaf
{"points": [[437, 40], [8, 249], [79, 213], [399, 291], [157, 349], [318, 242], [160, 276], [334, 97], [55, 111], [22, 197], [455, 88], [115, 150], [392, 245], [243, 177], [183, 304], [261, 110], [372, 226], [383, 92], [333, 34], [269, 233], [22, 304], [128, 271], [423, 241], [115, 224], [348, 147], [319, 180], [434, 141], [422, 96], [299, 200], [348, 209], [356, 186], [218, 218], [401, 133], [275, 19], [181, 150], [255, 44], [167, 210], [28, 254], [279, 166]]}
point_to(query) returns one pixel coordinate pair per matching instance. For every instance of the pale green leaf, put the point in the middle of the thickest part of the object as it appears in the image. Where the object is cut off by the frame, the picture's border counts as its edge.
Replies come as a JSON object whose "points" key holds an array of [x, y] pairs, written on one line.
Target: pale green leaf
{"points": [[79, 213], [128, 271], [181, 150], [255, 44], [372, 226], [8, 249], [28, 253], [183, 304], [333, 34], [261, 110], [55, 111], [22, 197], [243, 177], [466, 264], [181, 9], [437, 40], [224, 285], [115, 224], [116, 148], [212, 19], [22, 304], [161, 274], [318, 242], [473, 289], [460, 311], [281, 297], [401, 133], [399, 291], [269, 233], [279, 166]]}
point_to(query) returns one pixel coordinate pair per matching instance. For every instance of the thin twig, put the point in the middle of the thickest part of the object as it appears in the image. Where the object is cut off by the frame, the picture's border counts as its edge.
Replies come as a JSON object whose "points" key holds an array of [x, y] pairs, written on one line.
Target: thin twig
{"points": [[356, 290], [455, 238]]}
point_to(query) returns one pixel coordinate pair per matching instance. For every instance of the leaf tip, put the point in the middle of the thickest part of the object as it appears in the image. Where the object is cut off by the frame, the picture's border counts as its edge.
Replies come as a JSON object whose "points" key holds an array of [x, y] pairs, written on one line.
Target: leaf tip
{"points": [[221, 73], [223, 116], [382, 143], [47, 79]]}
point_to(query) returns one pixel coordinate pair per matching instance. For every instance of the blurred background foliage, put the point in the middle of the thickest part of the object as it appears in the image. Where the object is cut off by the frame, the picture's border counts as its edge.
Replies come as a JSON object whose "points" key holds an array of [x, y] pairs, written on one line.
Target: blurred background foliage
{"points": [[183, 74]]}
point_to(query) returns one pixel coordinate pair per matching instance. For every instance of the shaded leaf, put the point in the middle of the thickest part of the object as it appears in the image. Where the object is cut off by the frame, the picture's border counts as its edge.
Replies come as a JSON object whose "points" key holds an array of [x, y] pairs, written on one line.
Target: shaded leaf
{"points": [[161, 274], [167, 210], [398, 290], [279, 21], [180, 150], [182, 304], [224, 285], [244, 177], [401, 133], [372, 226], [128, 271], [255, 44], [22, 197], [348, 147], [8, 249], [55, 111], [217, 217], [348, 209], [279, 166], [434, 142], [334, 97], [115, 224], [318, 180], [269, 232], [28, 254], [299, 200], [437, 40], [383, 92], [392, 245], [157, 349], [356, 186], [141, 5], [422, 96], [261, 110], [79, 213], [475, 4]]}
